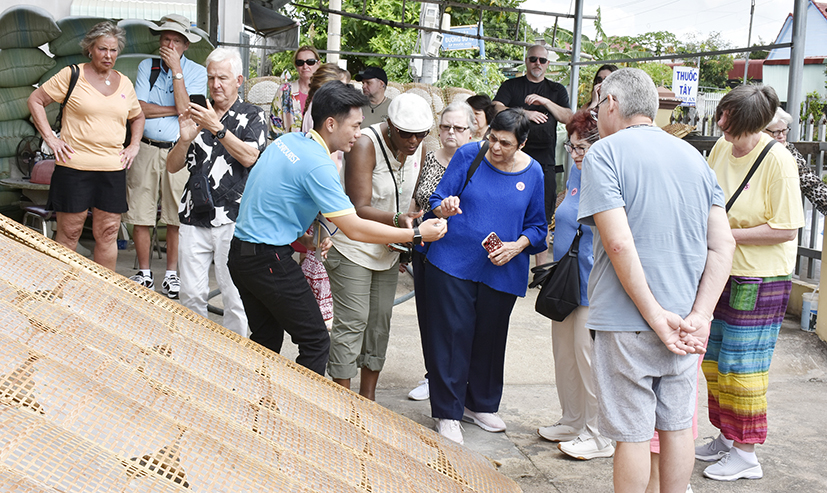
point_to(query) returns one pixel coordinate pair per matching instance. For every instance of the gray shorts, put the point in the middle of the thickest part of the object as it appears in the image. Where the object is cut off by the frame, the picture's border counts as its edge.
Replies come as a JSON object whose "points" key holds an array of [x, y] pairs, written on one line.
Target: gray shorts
{"points": [[642, 386]]}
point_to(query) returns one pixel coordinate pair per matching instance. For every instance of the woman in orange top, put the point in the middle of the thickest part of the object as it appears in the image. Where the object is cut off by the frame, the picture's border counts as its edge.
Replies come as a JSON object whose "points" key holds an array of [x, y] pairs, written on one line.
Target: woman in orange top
{"points": [[91, 159]]}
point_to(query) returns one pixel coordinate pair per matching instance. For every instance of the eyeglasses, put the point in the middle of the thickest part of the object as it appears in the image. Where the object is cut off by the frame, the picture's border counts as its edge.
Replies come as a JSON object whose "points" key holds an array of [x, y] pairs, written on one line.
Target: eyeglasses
{"points": [[455, 128], [575, 150], [596, 108], [778, 133], [535, 59], [407, 135], [504, 144], [310, 62]]}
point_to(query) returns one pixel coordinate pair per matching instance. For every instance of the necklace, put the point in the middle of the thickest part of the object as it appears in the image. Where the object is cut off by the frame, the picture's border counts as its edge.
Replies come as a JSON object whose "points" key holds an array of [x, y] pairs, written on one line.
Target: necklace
{"points": [[372, 107], [106, 79], [639, 125]]}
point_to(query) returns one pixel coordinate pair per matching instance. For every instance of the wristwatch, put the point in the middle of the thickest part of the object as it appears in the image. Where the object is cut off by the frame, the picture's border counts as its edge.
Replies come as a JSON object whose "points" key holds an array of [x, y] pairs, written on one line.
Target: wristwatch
{"points": [[221, 133], [417, 239], [178, 76]]}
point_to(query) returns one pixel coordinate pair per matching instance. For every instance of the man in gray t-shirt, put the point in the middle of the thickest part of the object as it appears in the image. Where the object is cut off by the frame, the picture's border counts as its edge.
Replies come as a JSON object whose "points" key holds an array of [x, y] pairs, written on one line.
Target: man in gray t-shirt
{"points": [[663, 251]]}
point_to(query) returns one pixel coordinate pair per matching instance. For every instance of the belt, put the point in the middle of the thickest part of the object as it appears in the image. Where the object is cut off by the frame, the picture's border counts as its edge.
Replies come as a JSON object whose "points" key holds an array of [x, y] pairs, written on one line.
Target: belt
{"points": [[160, 144], [247, 249]]}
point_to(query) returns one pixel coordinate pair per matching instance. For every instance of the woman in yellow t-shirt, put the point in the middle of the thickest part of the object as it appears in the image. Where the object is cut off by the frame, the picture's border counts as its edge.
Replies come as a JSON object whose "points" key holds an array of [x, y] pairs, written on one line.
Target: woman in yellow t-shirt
{"points": [[91, 159], [764, 219]]}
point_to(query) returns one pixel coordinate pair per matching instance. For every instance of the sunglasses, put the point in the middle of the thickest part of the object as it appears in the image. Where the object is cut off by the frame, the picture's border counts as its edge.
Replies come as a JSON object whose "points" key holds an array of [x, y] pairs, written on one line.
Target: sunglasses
{"points": [[310, 62], [535, 59], [455, 128], [407, 135], [596, 108]]}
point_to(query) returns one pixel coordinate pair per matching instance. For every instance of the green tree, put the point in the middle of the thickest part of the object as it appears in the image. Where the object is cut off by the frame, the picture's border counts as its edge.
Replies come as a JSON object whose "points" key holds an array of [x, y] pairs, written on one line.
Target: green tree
{"points": [[714, 69]]}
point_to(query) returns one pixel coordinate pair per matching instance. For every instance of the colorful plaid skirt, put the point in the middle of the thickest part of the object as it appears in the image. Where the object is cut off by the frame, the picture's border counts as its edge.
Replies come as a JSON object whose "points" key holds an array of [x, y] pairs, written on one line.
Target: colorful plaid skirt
{"points": [[737, 362]]}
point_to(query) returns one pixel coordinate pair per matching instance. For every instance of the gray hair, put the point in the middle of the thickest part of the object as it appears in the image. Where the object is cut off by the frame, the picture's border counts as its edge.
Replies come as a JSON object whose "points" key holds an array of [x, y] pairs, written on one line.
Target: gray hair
{"points": [[781, 116], [100, 30], [461, 107], [634, 91], [226, 54]]}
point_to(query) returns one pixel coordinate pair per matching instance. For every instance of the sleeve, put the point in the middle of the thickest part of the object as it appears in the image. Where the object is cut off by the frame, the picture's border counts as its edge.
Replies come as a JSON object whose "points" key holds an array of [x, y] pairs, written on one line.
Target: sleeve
{"points": [[562, 96], [811, 185], [599, 185], [325, 188], [255, 132], [134, 105], [281, 110], [534, 222], [504, 94], [142, 80], [454, 177], [784, 194], [57, 86], [196, 80]]}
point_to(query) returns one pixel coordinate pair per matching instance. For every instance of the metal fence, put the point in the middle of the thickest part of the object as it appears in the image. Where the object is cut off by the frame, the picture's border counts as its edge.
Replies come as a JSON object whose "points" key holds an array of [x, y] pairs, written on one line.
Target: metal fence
{"points": [[812, 146]]}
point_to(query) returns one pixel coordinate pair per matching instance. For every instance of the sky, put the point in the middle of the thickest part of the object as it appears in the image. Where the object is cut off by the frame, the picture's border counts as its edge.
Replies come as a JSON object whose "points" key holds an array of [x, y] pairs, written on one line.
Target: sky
{"points": [[680, 17]]}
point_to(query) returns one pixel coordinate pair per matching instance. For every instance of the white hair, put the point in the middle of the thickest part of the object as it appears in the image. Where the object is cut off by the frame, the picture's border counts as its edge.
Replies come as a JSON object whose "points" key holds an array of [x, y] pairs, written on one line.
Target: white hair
{"points": [[226, 54], [465, 109], [634, 91], [781, 116]]}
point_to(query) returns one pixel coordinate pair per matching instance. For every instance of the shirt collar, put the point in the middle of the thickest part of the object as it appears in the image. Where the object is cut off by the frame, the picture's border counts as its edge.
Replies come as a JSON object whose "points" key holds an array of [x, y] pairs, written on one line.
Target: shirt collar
{"points": [[318, 138]]}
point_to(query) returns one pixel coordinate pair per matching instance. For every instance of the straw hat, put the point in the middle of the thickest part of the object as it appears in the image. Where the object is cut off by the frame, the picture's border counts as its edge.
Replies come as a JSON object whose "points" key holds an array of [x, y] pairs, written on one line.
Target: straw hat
{"points": [[179, 24]]}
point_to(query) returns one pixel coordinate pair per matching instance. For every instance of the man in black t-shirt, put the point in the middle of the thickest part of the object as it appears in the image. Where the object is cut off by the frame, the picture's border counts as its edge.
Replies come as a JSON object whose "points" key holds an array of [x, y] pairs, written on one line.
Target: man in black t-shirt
{"points": [[546, 103]]}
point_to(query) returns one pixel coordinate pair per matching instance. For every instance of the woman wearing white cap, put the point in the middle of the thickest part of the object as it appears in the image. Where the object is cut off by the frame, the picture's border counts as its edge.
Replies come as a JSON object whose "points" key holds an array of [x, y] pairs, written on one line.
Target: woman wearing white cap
{"points": [[379, 175]]}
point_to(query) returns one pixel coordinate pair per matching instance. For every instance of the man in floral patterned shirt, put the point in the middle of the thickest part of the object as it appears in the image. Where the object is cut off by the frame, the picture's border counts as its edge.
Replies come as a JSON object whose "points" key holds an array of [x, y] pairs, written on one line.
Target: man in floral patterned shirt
{"points": [[218, 145]]}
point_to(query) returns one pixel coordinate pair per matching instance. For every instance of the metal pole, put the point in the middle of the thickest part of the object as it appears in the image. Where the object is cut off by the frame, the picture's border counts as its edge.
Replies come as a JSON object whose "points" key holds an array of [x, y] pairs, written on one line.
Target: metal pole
{"points": [[749, 38], [794, 89], [575, 53], [334, 29]]}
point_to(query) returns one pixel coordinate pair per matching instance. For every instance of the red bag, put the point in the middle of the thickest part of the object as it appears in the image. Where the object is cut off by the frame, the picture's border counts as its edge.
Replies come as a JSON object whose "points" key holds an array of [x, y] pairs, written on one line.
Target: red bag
{"points": [[42, 172]]}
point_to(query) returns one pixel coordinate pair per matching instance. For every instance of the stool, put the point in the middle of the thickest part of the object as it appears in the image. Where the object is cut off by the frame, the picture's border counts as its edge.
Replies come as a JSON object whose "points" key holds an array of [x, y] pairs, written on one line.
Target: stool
{"points": [[37, 217]]}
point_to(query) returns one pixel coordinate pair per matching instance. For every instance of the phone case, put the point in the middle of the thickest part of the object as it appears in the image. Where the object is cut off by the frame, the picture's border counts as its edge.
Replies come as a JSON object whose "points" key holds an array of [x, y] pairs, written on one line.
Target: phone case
{"points": [[492, 242]]}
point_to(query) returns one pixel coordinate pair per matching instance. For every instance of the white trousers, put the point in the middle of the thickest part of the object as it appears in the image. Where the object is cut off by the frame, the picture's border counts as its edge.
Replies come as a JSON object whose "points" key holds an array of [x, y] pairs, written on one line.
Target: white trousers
{"points": [[197, 249], [572, 347]]}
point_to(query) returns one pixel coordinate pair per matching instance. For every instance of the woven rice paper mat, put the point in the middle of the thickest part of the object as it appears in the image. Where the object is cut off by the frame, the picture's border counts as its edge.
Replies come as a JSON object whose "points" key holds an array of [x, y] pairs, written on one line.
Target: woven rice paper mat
{"points": [[108, 386]]}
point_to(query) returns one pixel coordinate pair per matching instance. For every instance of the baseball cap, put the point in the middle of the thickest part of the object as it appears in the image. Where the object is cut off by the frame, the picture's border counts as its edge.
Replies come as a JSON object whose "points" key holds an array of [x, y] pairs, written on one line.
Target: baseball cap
{"points": [[410, 113], [372, 73]]}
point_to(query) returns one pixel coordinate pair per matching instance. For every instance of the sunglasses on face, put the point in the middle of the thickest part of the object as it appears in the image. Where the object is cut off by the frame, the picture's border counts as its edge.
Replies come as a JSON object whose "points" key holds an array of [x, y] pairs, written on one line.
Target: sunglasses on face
{"points": [[407, 135], [310, 62], [535, 59], [455, 128]]}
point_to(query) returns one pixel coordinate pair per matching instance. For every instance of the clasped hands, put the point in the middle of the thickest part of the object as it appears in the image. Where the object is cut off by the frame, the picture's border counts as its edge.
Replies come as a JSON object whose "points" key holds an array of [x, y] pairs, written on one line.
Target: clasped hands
{"points": [[682, 335]]}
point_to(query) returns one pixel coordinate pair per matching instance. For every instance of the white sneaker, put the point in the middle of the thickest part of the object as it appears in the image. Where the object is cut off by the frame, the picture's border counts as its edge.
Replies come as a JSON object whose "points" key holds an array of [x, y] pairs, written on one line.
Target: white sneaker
{"points": [[171, 286], [558, 432], [145, 281], [732, 466], [689, 489], [487, 421], [710, 451], [450, 429], [421, 393], [586, 447]]}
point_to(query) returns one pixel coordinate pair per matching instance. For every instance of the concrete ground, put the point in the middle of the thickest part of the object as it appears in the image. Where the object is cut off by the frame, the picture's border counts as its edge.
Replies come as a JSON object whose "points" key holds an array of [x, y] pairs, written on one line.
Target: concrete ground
{"points": [[793, 458]]}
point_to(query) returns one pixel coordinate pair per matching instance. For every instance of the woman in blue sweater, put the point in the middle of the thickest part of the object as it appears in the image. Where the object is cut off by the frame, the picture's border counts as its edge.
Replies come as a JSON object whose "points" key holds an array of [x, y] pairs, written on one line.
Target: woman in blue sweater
{"points": [[471, 290]]}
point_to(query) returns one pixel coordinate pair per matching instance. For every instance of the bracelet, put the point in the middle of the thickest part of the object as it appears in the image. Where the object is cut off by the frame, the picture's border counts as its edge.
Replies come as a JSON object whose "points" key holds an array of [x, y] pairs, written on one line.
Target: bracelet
{"points": [[396, 219]]}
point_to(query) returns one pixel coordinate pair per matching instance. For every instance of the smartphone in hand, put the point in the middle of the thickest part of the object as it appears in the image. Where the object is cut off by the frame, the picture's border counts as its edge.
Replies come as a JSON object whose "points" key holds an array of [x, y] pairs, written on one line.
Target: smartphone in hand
{"points": [[199, 99], [492, 242]]}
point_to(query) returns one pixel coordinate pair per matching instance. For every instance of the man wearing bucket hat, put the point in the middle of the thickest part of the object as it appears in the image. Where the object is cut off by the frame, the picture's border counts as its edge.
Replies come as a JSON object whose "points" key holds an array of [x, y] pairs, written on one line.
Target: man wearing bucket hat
{"points": [[374, 81], [379, 177], [163, 87]]}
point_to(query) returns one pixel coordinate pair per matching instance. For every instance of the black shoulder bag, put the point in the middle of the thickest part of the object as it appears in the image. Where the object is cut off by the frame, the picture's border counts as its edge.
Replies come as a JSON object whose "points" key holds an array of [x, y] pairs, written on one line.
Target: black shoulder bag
{"points": [[405, 257], [559, 283]]}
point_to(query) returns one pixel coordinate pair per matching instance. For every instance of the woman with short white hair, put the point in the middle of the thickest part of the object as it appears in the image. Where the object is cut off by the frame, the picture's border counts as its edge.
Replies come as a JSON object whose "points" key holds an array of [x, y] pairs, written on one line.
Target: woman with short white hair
{"points": [[811, 185]]}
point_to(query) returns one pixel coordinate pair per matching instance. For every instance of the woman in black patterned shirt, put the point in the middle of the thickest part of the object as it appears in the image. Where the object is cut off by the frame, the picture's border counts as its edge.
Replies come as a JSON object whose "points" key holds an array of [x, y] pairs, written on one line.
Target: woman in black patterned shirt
{"points": [[811, 185], [456, 126]]}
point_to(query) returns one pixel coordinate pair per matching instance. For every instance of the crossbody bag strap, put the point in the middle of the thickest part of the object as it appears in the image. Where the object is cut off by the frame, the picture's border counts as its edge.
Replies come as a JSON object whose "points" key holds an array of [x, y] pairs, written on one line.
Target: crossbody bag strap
{"points": [[749, 175], [474, 165], [73, 80], [388, 162]]}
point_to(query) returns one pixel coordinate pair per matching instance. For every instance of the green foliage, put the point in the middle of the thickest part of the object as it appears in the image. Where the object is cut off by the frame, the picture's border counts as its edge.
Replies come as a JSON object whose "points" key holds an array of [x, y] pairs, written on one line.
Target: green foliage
{"points": [[477, 77], [814, 105], [714, 70]]}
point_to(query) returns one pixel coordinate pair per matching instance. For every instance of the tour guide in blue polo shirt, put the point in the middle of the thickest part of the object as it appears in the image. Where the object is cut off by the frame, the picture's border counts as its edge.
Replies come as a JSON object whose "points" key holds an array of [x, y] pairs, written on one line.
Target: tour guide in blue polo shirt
{"points": [[292, 181]]}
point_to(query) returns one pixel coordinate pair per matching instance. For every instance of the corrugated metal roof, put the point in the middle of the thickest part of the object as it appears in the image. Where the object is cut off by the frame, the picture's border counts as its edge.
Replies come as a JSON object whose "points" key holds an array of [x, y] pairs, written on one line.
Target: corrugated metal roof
{"points": [[134, 9]]}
